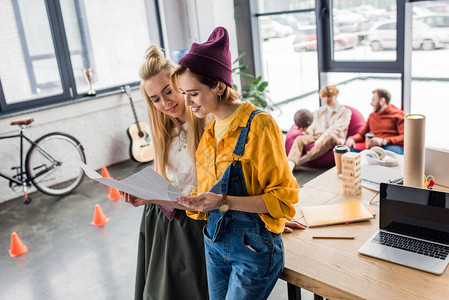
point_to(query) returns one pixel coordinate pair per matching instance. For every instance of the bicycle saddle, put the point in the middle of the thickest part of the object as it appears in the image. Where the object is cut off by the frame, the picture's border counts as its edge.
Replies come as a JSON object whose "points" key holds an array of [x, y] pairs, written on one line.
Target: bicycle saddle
{"points": [[23, 122]]}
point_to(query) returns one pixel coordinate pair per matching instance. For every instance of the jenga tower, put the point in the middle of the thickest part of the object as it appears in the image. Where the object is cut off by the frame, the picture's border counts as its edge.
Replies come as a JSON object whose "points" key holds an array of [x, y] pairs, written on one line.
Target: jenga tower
{"points": [[351, 173]]}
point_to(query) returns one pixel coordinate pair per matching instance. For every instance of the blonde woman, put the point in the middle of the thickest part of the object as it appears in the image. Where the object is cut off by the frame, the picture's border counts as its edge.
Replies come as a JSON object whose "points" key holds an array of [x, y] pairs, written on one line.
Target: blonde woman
{"points": [[170, 262]]}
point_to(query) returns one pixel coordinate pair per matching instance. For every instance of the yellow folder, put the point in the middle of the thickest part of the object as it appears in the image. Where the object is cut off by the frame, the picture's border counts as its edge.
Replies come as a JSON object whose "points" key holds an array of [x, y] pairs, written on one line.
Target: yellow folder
{"points": [[330, 214]]}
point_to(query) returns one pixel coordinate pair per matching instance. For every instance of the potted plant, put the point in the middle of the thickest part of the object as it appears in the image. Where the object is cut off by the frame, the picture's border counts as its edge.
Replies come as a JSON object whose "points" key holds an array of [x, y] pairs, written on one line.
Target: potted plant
{"points": [[256, 92]]}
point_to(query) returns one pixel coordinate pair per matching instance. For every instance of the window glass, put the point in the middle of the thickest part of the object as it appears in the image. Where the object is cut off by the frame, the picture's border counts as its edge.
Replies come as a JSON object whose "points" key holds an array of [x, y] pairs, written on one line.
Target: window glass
{"points": [[284, 112], [430, 65], [364, 32], [356, 89], [265, 6], [109, 37], [28, 66], [289, 56], [78, 42]]}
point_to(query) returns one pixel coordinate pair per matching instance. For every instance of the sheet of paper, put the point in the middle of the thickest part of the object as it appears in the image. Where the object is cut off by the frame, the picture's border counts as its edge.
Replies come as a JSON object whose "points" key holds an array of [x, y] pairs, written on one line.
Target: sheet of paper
{"points": [[146, 184]]}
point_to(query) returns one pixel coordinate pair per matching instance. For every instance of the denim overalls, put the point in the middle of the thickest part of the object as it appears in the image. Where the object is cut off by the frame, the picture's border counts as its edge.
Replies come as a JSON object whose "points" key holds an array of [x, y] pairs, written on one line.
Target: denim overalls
{"points": [[243, 259]]}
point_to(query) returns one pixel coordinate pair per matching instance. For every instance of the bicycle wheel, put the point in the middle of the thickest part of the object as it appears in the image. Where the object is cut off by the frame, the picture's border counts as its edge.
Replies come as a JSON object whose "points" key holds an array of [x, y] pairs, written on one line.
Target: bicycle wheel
{"points": [[53, 163]]}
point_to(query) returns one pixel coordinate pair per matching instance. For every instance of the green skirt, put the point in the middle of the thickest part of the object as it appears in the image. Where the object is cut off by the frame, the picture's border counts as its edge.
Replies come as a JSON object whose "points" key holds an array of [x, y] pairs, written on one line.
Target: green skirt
{"points": [[170, 259]]}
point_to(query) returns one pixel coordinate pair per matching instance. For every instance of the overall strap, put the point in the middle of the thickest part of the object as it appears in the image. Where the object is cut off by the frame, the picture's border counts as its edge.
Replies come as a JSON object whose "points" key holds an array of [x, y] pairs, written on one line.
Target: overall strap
{"points": [[240, 146]]}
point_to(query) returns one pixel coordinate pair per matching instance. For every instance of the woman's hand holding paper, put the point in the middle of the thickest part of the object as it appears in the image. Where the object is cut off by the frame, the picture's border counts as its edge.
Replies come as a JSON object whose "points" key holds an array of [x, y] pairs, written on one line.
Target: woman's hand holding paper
{"points": [[135, 201]]}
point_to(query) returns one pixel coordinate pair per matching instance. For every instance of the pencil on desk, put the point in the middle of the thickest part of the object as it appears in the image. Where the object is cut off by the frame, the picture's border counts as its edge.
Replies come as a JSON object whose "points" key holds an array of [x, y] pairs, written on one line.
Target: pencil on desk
{"points": [[334, 237]]}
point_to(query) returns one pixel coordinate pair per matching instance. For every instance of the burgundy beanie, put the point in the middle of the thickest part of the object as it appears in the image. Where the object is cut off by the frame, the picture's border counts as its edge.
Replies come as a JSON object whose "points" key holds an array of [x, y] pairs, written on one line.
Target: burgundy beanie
{"points": [[211, 58]]}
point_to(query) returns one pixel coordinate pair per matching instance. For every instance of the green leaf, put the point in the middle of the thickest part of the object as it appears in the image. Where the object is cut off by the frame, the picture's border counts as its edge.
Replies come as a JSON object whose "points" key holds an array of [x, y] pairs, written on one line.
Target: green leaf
{"points": [[239, 57], [261, 102], [257, 80], [263, 85], [246, 75], [241, 68]]}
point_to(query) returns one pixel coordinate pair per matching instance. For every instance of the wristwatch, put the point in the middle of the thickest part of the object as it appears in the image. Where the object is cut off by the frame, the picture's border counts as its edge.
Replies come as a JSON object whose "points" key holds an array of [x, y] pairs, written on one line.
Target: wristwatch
{"points": [[224, 207], [384, 142]]}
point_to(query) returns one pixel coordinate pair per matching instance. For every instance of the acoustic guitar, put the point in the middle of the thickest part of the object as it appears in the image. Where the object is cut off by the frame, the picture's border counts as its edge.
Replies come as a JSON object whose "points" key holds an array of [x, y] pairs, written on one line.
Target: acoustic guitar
{"points": [[141, 148]]}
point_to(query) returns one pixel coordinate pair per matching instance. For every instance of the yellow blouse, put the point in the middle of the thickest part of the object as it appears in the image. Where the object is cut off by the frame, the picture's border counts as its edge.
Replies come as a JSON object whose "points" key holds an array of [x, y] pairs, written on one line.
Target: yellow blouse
{"points": [[220, 127], [264, 164]]}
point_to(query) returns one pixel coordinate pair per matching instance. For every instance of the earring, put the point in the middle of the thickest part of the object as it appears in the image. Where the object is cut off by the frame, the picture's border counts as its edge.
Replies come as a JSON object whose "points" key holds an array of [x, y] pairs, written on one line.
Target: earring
{"points": [[219, 97]]}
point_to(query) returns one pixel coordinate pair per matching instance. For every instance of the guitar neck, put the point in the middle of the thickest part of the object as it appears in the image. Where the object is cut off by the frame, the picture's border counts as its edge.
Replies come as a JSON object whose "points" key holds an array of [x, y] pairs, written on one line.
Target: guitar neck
{"points": [[135, 115]]}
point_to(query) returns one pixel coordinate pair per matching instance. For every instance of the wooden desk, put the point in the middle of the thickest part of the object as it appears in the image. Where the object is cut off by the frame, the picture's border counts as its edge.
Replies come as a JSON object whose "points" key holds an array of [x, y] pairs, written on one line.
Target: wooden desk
{"points": [[334, 269]]}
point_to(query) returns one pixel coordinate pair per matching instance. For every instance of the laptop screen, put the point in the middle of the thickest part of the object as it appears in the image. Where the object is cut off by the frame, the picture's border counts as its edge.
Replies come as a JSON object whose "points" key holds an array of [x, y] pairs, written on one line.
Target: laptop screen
{"points": [[415, 212]]}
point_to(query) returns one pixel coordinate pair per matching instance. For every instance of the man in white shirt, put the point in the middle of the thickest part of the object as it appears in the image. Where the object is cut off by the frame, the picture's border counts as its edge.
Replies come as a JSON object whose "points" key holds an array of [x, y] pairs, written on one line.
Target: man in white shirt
{"points": [[329, 128]]}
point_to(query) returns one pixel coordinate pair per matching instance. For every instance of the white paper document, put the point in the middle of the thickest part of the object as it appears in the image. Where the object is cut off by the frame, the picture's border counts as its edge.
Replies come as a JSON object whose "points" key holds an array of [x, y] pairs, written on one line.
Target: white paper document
{"points": [[146, 184], [373, 175]]}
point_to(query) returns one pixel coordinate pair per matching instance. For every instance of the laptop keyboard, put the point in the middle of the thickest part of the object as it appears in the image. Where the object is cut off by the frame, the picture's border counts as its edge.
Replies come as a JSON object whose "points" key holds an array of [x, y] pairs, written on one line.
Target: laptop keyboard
{"points": [[412, 245], [430, 234]]}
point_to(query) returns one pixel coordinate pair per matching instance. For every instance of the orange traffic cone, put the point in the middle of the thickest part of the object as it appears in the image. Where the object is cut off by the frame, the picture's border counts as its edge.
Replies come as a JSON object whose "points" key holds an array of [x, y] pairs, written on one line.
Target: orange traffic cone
{"points": [[17, 246], [99, 217], [105, 172], [114, 194]]}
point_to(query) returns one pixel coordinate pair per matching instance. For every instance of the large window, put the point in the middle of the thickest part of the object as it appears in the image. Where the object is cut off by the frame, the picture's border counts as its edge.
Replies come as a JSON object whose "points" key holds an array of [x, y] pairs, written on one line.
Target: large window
{"points": [[289, 60], [274, 6], [361, 45], [364, 32], [48, 44], [28, 67], [430, 68], [289, 56]]}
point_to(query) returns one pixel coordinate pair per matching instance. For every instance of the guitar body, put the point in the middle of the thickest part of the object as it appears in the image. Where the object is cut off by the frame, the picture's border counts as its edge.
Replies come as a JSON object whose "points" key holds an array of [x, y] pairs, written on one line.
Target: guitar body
{"points": [[141, 148]]}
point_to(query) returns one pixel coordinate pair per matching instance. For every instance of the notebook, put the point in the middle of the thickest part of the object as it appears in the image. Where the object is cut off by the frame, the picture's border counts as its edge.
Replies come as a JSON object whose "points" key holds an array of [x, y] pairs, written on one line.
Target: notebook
{"points": [[414, 228], [330, 214], [373, 175]]}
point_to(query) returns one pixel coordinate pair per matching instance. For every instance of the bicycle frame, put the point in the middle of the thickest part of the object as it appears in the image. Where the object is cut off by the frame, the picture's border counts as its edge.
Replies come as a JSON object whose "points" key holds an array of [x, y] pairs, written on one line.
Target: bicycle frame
{"points": [[22, 137], [37, 165]]}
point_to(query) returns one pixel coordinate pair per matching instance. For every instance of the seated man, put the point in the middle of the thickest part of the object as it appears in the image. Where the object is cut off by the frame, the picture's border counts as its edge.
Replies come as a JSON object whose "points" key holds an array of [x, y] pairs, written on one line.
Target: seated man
{"points": [[329, 128], [386, 122]]}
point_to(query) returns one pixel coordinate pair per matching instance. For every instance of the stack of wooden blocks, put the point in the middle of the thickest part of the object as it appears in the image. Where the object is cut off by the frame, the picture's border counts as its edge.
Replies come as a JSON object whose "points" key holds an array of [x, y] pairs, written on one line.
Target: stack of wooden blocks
{"points": [[351, 173]]}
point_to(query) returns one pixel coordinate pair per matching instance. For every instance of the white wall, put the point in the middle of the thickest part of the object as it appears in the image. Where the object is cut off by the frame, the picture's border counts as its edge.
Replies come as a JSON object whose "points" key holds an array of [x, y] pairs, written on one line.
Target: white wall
{"points": [[100, 124]]}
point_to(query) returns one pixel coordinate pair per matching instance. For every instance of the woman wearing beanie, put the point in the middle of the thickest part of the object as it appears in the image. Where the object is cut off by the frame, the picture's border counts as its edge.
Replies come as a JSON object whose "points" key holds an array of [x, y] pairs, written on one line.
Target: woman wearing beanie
{"points": [[246, 191], [170, 261]]}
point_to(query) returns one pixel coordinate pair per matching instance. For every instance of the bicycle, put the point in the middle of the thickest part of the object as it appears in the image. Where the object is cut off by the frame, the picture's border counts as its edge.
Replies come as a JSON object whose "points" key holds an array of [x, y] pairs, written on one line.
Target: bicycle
{"points": [[51, 163]]}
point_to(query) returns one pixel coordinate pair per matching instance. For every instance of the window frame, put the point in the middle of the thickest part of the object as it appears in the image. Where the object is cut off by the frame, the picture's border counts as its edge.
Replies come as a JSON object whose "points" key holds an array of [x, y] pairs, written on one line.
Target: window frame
{"points": [[330, 65], [62, 54]]}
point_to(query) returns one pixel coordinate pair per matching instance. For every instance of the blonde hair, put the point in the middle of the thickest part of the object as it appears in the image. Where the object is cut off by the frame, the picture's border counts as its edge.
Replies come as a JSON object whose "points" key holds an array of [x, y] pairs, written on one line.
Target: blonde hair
{"points": [[229, 94], [162, 124], [329, 91]]}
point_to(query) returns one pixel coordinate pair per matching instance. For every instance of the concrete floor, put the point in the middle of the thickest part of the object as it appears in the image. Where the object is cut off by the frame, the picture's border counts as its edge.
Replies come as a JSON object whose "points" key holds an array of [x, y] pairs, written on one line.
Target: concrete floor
{"points": [[70, 259]]}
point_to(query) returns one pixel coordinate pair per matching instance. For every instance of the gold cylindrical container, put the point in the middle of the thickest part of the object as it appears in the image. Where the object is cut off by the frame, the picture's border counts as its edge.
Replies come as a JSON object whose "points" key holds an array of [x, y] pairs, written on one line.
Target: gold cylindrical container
{"points": [[414, 149]]}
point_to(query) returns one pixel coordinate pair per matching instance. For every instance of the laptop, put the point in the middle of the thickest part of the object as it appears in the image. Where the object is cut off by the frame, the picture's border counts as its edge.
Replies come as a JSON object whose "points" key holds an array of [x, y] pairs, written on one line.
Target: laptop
{"points": [[413, 228]]}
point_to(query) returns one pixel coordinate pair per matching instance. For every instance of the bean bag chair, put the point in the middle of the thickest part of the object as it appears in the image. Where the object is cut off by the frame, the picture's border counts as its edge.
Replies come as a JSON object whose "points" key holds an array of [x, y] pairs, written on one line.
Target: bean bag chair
{"points": [[327, 160]]}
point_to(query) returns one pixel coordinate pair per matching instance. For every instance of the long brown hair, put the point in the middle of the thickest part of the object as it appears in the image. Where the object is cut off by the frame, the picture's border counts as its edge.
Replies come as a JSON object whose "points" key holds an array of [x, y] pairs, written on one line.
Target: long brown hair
{"points": [[162, 124]]}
